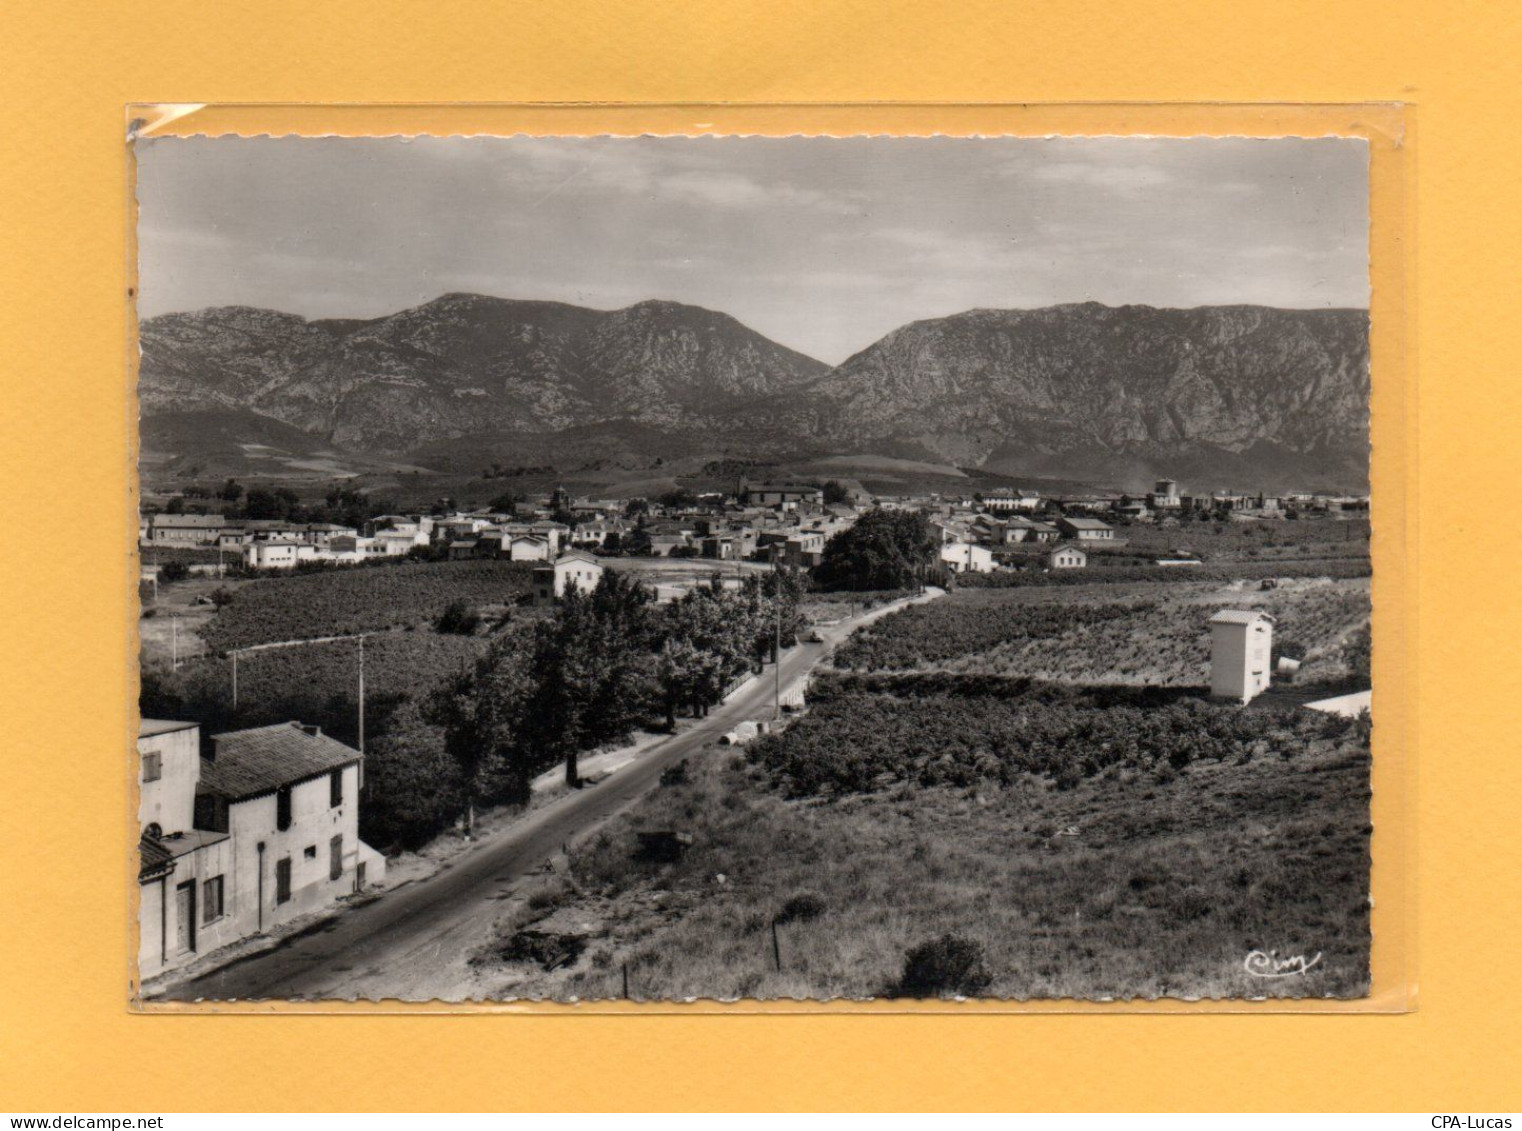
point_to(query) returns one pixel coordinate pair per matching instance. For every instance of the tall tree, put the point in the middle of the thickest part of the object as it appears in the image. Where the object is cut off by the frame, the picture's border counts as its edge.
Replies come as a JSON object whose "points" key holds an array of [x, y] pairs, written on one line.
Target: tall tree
{"points": [[485, 713], [882, 550]]}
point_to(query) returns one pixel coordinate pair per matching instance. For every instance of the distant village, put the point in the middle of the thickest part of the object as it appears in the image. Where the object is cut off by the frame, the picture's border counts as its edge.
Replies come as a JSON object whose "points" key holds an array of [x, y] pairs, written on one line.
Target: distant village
{"points": [[774, 523], [216, 808]]}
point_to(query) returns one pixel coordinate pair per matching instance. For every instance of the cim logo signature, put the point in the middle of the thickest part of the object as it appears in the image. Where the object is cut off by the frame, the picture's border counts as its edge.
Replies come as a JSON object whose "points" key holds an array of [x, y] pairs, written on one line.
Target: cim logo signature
{"points": [[1268, 964]]}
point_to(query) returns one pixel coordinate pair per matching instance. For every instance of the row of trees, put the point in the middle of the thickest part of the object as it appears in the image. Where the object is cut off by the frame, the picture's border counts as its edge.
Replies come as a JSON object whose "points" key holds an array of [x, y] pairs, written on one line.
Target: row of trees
{"points": [[341, 505], [606, 661]]}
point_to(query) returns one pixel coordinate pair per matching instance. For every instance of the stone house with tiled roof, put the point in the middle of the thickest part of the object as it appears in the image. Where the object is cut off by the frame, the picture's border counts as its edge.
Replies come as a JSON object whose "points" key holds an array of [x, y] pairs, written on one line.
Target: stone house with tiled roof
{"points": [[263, 828]]}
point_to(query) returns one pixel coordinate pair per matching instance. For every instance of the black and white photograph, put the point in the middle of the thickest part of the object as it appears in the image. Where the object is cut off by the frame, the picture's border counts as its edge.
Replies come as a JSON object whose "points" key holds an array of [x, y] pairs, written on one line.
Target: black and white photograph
{"points": [[745, 569]]}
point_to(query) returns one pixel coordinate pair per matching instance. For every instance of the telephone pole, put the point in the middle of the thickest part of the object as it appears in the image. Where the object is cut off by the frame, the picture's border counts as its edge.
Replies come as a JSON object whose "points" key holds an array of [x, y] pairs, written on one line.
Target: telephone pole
{"points": [[359, 636], [777, 645]]}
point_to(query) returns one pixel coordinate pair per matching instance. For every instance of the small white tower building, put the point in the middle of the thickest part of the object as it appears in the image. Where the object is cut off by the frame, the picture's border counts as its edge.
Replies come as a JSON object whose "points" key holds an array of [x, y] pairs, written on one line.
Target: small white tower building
{"points": [[1240, 645]]}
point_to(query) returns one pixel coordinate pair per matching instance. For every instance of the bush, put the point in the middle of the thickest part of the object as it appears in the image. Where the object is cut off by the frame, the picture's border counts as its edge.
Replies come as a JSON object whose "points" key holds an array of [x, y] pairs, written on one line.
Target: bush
{"points": [[947, 966], [173, 571], [802, 908], [459, 619], [413, 788]]}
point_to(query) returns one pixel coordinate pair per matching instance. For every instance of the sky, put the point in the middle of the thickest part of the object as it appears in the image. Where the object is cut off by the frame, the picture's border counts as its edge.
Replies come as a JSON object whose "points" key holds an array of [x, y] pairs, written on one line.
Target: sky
{"points": [[822, 244]]}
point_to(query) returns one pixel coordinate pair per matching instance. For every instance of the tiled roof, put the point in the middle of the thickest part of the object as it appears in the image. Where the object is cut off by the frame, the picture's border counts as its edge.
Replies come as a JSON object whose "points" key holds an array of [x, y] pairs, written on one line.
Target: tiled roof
{"points": [[260, 760], [200, 521], [147, 727], [153, 859], [1240, 616], [1086, 524]]}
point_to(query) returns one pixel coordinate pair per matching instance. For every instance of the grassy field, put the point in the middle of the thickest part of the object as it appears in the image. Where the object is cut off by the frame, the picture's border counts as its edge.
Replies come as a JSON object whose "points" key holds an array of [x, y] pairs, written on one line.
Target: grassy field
{"points": [[1132, 884], [1075, 838]]}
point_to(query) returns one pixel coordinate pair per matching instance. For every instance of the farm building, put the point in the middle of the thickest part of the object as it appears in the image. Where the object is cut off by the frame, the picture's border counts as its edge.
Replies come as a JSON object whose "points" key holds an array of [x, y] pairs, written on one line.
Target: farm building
{"points": [[1067, 557], [1006, 500], [967, 557], [278, 553], [1240, 644], [1165, 495], [1086, 529], [263, 830], [785, 495], [185, 529], [577, 569]]}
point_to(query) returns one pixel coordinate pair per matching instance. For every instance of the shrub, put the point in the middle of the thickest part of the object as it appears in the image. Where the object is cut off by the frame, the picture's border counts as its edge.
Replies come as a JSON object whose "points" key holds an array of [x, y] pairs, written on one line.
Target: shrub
{"points": [[173, 571], [802, 908], [459, 619], [949, 965], [1190, 904]]}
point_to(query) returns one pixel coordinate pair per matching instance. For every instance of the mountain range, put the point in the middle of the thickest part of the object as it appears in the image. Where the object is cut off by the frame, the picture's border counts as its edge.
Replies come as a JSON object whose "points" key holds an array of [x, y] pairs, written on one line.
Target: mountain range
{"points": [[1225, 396]]}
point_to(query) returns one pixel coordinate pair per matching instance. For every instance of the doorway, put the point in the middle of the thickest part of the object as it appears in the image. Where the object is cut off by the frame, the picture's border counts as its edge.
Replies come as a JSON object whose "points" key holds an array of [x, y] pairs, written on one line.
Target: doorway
{"points": [[185, 916]]}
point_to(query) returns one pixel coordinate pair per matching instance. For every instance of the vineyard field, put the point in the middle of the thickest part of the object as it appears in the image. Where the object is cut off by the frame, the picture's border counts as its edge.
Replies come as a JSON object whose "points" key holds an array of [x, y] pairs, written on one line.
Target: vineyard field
{"points": [[1246, 541], [316, 684], [855, 739], [1135, 634], [360, 600]]}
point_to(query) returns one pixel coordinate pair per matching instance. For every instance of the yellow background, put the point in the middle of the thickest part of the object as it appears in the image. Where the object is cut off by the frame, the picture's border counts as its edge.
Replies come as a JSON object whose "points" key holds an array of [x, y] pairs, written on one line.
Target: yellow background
{"points": [[67, 70]]}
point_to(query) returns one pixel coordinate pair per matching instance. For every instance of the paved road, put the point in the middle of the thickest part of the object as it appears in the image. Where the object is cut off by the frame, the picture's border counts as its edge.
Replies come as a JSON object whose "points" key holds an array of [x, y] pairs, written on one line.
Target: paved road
{"points": [[411, 943]]}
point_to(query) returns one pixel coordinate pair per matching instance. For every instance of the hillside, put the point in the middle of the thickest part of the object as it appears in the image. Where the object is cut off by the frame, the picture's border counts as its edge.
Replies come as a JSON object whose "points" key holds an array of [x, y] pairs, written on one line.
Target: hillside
{"points": [[1228, 395], [1217, 397], [465, 364]]}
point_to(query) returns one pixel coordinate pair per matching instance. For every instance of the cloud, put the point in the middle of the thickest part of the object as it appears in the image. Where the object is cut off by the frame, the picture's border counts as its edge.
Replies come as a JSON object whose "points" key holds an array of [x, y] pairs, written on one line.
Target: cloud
{"points": [[1117, 178], [732, 190]]}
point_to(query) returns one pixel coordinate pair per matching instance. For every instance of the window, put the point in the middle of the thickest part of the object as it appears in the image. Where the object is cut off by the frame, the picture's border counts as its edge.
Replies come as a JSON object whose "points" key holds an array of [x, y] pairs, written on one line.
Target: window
{"points": [[153, 767], [211, 899], [283, 880], [336, 857], [335, 789], [310, 852], [283, 808]]}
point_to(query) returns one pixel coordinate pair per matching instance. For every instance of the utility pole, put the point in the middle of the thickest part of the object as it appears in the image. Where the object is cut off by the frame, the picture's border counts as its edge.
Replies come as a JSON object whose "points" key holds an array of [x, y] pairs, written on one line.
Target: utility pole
{"points": [[174, 643], [360, 636], [361, 694], [777, 648]]}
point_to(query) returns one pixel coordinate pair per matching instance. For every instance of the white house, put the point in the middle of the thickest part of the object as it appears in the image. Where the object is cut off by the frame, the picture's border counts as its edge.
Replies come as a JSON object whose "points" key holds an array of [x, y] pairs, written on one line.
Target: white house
{"points": [[967, 557], [1005, 500], [395, 543], [352, 548], [1067, 557], [1241, 642], [527, 548], [262, 830], [571, 569], [278, 553]]}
